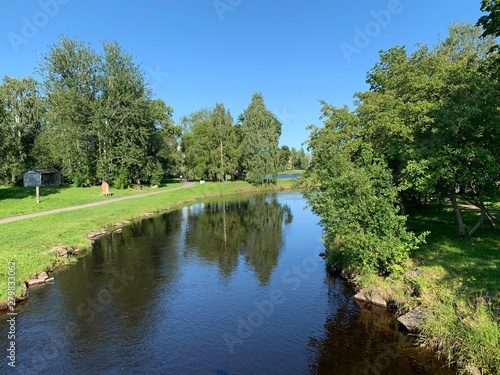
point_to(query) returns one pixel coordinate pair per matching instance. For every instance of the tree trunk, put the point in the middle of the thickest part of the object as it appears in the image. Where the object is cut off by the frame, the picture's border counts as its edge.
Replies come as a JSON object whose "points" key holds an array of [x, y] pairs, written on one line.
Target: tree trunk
{"points": [[402, 208], [458, 214], [480, 220], [491, 218]]}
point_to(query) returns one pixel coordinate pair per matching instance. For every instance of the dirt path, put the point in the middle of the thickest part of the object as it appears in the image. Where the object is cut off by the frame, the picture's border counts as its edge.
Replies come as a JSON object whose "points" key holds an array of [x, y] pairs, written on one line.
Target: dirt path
{"points": [[112, 200]]}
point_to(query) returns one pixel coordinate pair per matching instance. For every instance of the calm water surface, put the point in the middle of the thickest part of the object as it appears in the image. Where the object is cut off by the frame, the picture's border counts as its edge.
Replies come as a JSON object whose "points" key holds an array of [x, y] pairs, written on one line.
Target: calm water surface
{"points": [[228, 287]]}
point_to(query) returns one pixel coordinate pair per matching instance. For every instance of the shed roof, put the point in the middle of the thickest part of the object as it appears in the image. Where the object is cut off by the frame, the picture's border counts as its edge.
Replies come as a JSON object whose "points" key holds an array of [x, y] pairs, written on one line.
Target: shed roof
{"points": [[46, 170]]}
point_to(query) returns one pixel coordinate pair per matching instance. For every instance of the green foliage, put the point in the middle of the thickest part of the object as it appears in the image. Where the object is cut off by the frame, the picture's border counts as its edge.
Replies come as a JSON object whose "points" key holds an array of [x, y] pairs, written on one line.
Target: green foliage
{"points": [[353, 193], [21, 114], [299, 159], [102, 124], [260, 151], [491, 21], [433, 117], [123, 180], [285, 158], [210, 144]]}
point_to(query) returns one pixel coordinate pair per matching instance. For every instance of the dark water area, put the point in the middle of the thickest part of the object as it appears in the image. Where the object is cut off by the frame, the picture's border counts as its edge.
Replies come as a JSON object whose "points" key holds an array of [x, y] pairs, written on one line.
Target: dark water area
{"points": [[222, 288]]}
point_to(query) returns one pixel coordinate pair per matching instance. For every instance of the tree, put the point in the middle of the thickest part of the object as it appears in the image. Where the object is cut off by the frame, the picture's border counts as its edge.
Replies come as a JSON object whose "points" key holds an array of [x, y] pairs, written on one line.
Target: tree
{"points": [[432, 116], [285, 158], [70, 77], [223, 139], [210, 144], [125, 121], [491, 21], [260, 142], [353, 194], [102, 123], [21, 113], [169, 153]]}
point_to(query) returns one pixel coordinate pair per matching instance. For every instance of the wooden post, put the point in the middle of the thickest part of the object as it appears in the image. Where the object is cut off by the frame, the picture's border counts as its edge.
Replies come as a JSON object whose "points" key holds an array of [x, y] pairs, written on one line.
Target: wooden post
{"points": [[37, 194]]}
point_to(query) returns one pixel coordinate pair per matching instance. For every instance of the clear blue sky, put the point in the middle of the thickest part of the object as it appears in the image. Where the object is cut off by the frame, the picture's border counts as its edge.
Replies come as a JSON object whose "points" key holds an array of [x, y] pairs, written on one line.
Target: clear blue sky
{"points": [[200, 52]]}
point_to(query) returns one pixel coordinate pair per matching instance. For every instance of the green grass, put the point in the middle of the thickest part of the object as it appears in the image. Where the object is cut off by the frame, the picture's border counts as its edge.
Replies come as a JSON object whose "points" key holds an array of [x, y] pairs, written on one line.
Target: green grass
{"points": [[474, 262], [28, 241], [19, 200]]}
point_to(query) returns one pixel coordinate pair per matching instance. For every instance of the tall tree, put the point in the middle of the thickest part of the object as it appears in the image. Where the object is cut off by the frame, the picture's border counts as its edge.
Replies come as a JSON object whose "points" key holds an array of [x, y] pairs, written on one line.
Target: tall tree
{"points": [[194, 143], [169, 152], [260, 142], [70, 74], [210, 144], [21, 111], [125, 120], [224, 144], [285, 158], [102, 123]]}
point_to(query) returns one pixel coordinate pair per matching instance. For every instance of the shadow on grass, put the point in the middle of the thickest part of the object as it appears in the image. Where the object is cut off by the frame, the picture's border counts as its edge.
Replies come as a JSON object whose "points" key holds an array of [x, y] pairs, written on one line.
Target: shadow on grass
{"points": [[23, 193], [168, 181], [475, 262]]}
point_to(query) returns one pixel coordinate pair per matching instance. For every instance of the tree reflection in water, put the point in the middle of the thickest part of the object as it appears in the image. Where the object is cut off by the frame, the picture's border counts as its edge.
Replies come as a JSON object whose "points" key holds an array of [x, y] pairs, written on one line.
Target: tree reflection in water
{"points": [[223, 231]]}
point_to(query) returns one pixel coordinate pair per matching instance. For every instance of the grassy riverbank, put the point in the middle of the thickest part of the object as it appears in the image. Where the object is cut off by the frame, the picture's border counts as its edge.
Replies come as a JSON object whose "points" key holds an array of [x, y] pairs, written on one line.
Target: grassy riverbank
{"points": [[457, 281], [28, 242], [20, 201]]}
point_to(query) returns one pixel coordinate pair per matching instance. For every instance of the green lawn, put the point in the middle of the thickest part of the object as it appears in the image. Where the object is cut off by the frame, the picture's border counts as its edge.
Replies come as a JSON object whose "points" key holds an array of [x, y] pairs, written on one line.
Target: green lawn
{"points": [[28, 241], [19, 200], [474, 262]]}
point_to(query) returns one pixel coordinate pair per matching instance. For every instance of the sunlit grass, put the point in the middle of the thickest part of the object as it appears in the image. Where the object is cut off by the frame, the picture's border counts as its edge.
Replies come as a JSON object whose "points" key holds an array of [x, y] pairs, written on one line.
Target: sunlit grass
{"points": [[19, 200]]}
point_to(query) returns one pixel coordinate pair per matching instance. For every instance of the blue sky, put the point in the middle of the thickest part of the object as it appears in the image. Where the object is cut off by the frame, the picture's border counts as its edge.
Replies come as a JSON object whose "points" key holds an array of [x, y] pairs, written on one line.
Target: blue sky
{"points": [[196, 53]]}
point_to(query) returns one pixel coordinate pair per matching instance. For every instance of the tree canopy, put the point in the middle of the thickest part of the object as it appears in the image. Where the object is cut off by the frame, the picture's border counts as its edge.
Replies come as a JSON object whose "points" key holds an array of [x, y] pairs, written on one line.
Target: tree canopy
{"points": [[427, 126], [260, 151]]}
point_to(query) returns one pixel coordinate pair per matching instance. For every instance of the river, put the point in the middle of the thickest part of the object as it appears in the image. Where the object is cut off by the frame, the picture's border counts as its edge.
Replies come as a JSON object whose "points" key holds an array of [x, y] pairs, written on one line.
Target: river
{"points": [[224, 287]]}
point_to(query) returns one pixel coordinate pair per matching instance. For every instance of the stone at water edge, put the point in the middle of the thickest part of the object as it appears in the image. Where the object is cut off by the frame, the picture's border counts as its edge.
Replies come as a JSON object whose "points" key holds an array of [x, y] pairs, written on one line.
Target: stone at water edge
{"points": [[361, 296], [42, 276], [32, 282], [376, 299], [412, 320]]}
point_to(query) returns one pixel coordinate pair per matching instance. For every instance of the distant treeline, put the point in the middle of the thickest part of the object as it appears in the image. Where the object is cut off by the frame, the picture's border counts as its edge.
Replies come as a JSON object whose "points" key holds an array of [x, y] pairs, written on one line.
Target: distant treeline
{"points": [[93, 116]]}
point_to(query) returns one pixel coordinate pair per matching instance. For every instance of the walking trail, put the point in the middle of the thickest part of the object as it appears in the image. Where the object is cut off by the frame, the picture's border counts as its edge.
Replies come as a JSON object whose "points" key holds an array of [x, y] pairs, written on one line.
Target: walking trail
{"points": [[71, 208]]}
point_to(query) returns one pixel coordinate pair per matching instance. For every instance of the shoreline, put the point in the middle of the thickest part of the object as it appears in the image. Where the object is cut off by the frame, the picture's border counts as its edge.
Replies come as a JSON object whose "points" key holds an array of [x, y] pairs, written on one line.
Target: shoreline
{"points": [[77, 250], [414, 316]]}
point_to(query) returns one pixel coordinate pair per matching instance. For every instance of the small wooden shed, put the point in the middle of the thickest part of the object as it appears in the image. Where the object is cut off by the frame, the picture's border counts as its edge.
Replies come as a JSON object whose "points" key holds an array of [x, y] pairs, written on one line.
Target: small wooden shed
{"points": [[42, 177]]}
